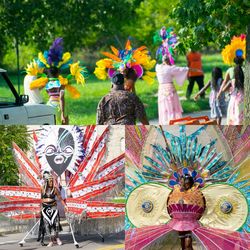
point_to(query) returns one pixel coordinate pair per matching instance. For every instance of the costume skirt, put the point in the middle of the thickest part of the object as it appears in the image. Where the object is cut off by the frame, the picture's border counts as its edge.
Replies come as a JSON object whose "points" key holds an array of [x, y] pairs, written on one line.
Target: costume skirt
{"points": [[235, 111], [169, 106]]}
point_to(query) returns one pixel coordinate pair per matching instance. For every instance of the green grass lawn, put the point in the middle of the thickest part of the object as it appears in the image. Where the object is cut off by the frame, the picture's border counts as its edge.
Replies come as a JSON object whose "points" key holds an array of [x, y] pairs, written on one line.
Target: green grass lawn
{"points": [[83, 110]]}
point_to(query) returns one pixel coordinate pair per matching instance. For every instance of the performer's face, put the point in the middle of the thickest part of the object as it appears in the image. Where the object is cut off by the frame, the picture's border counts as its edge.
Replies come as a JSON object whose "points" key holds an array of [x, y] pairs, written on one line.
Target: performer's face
{"points": [[50, 183], [187, 185]]}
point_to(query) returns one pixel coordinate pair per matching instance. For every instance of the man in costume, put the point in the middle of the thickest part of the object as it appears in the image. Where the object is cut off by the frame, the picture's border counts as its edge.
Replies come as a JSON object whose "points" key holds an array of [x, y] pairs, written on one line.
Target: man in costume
{"points": [[120, 106]]}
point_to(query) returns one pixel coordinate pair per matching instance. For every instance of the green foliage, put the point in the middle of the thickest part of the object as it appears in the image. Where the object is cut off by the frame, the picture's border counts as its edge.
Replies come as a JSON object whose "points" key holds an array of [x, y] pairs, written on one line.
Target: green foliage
{"points": [[8, 166], [205, 22], [150, 16]]}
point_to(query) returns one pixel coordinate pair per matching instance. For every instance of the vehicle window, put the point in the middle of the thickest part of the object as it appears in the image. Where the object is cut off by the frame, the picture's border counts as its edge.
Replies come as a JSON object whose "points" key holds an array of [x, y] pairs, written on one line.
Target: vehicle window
{"points": [[6, 95]]}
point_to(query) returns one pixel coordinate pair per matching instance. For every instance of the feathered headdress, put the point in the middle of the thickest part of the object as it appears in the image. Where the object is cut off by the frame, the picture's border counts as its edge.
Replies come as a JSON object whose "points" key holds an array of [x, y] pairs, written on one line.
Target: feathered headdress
{"points": [[168, 40], [55, 57], [137, 59], [237, 47]]}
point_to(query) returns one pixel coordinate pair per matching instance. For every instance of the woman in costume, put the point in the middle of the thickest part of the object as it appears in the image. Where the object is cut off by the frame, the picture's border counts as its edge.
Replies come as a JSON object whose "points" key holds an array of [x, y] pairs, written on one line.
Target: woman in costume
{"points": [[50, 64], [134, 63], [233, 54], [50, 220], [187, 188], [169, 106], [235, 112]]}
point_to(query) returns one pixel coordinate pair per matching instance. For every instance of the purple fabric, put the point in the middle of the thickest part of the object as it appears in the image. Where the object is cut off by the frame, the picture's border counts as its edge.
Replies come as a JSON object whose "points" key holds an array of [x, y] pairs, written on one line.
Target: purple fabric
{"points": [[55, 52], [111, 72], [184, 217], [139, 238], [138, 69], [222, 239]]}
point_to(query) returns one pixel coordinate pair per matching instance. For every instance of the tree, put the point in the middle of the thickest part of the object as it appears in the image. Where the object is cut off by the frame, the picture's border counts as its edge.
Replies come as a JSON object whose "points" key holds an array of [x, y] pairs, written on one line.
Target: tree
{"points": [[202, 22], [8, 166], [150, 16]]}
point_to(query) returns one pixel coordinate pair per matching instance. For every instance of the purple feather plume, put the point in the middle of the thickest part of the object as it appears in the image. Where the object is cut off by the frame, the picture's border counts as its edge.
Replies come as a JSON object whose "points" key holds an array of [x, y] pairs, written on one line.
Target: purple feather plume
{"points": [[55, 52]]}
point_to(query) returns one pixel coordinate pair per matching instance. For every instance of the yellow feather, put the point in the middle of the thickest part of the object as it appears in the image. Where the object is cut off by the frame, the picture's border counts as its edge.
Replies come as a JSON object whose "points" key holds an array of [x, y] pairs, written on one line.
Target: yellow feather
{"points": [[74, 93], [66, 57], [63, 81], [42, 59], [39, 83]]}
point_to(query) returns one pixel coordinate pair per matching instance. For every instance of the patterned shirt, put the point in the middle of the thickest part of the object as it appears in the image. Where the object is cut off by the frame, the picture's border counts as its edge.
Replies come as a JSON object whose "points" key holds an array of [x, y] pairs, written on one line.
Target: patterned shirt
{"points": [[120, 107]]}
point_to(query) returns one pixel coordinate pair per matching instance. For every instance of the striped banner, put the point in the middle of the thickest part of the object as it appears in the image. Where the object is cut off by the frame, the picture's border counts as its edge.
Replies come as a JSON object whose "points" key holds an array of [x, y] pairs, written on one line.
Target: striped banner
{"points": [[26, 166], [111, 167], [95, 209], [94, 188], [85, 168], [22, 205], [90, 136], [20, 192]]}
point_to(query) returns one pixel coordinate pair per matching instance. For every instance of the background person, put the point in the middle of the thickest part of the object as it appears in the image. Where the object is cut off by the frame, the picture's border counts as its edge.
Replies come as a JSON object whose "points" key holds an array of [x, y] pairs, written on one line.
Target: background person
{"points": [[194, 62], [120, 106]]}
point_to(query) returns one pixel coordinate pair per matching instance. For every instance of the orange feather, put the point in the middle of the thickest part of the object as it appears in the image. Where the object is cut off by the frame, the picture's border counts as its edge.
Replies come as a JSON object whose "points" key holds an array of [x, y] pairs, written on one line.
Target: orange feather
{"points": [[115, 50], [114, 57]]}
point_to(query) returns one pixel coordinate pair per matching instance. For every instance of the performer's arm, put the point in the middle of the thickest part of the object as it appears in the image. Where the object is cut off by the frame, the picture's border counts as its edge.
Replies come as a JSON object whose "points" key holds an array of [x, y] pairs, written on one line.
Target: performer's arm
{"points": [[62, 106], [60, 199], [224, 83], [202, 91], [100, 115]]}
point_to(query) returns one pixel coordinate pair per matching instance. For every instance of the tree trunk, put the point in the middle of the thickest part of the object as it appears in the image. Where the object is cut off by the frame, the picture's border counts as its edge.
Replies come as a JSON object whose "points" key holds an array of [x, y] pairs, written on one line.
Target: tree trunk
{"points": [[247, 81]]}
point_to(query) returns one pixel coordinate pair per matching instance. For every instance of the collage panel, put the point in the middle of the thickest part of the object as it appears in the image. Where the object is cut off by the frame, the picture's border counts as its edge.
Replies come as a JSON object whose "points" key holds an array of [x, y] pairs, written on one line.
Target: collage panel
{"points": [[187, 187], [62, 186]]}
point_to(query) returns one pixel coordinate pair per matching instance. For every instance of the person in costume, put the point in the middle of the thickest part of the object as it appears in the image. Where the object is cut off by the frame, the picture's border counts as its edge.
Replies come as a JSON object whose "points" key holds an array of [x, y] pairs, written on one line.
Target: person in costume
{"points": [[50, 220], [218, 106], [185, 186], [169, 106], [186, 193], [235, 112], [120, 106], [233, 54], [50, 65]]}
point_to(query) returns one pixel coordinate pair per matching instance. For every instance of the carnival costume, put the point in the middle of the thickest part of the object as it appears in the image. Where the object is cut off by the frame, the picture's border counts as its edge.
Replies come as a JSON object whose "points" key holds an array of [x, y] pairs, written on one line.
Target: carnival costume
{"points": [[50, 220], [136, 58], [237, 48], [77, 159], [169, 106], [55, 57], [214, 211]]}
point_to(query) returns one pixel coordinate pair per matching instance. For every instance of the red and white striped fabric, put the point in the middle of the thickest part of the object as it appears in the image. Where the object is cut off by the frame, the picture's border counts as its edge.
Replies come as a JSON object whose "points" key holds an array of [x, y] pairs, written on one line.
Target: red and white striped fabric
{"points": [[22, 205], [95, 209], [94, 188], [88, 168], [27, 168], [20, 192], [111, 167]]}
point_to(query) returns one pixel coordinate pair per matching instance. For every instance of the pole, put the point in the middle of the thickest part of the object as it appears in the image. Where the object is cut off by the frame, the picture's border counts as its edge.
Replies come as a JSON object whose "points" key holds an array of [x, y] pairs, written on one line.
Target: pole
{"points": [[18, 65]]}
